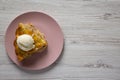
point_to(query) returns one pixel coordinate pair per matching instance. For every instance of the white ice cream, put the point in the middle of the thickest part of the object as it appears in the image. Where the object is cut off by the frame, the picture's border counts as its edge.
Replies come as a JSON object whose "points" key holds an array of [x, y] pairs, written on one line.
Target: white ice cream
{"points": [[25, 42]]}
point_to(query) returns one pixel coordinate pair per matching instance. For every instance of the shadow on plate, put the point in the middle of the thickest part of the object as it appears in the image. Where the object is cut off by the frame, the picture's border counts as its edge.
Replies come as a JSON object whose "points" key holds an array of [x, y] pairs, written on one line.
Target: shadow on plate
{"points": [[33, 59]]}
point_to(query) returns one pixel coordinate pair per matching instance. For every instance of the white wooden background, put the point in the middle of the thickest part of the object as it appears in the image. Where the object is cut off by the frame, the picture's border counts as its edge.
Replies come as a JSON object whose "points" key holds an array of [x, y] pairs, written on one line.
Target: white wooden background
{"points": [[92, 39]]}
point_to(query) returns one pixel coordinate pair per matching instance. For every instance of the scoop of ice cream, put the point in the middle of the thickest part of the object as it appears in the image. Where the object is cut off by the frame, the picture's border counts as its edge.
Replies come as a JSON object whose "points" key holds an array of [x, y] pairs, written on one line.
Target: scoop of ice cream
{"points": [[25, 42]]}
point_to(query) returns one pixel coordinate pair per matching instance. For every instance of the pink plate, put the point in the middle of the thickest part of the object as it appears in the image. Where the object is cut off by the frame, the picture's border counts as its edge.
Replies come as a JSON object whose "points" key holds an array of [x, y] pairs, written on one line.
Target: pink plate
{"points": [[53, 34]]}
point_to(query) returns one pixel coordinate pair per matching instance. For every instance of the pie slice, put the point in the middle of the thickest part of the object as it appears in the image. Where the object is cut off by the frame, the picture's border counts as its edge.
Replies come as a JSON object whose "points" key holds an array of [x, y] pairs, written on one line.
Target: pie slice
{"points": [[28, 41]]}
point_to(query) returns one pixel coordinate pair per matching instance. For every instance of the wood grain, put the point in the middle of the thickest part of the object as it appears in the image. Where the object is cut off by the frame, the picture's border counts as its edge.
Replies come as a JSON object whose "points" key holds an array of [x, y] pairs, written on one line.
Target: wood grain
{"points": [[92, 39]]}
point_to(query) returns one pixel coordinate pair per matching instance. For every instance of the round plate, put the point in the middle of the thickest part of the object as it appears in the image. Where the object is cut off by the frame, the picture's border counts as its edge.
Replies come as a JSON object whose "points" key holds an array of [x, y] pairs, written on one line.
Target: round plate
{"points": [[53, 35]]}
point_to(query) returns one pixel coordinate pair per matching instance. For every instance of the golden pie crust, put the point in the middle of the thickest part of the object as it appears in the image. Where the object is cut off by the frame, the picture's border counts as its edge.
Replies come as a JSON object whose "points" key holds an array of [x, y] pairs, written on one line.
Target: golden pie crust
{"points": [[39, 39]]}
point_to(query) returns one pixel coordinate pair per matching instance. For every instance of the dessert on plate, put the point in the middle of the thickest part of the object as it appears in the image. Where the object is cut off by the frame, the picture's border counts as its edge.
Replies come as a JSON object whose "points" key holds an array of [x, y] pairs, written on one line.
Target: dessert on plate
{"points": [[28, 41]]}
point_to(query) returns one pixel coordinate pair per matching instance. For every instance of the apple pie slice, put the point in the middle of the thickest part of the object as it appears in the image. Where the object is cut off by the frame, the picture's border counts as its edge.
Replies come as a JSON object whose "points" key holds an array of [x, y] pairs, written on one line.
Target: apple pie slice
{"points": [[28, 41]]}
